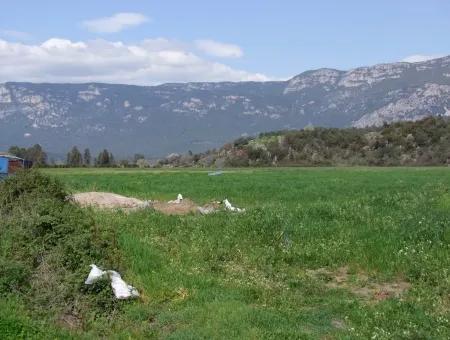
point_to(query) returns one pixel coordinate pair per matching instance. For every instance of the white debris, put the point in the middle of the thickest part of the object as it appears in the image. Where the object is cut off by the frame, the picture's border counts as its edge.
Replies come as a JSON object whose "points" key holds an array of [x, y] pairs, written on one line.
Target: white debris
{"points": [[178, 200], [206, 210], [215, 173], [94, 275], [121, 289], [228, 206]]}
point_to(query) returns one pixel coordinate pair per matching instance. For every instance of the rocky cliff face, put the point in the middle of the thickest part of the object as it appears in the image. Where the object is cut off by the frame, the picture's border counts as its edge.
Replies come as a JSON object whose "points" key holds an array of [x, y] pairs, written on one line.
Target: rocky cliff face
{"points": [[197, 116]]}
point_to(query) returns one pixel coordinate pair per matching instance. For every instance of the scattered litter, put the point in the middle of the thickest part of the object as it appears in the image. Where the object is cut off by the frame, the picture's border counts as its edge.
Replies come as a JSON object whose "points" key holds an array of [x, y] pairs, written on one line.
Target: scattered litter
{"points": [[178, 200], [209, 208], [94, 275], [121, 289], [105, 200], [206, 210], [228, 206], [215, 173]]}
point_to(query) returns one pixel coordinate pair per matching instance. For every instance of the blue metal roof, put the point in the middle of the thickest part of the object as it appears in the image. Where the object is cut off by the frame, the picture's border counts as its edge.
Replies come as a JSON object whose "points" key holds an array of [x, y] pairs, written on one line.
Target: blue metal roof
{"points": [[6, 155]]}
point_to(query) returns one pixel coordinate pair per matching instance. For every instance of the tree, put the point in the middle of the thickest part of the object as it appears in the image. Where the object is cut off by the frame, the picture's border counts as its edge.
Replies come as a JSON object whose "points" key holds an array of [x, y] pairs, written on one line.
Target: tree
{"points": [[74, 158], [112, 161], [105, 159], [37, 155], [87, 157], [17, 151]]}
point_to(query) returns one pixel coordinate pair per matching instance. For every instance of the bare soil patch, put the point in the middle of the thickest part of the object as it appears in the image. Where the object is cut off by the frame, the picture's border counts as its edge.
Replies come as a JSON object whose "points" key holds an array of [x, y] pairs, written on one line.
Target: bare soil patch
{"points": [[186, 206], [70, 320], [360, 284]]}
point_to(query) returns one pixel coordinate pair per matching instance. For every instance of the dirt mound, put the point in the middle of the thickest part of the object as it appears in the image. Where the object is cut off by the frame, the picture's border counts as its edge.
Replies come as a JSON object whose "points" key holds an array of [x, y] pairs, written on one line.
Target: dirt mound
{"points": [[106, 200], [186, 206]]}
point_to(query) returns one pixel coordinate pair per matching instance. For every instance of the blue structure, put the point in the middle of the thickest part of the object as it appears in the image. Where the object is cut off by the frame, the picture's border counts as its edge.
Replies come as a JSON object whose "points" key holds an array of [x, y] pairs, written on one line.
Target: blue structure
{"points": [[3, 167], [10, 164]]}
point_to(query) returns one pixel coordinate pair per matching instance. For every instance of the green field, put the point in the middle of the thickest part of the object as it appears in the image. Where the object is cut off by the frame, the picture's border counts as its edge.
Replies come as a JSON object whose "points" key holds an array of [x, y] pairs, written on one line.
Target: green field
{"points": [[314, 255]]}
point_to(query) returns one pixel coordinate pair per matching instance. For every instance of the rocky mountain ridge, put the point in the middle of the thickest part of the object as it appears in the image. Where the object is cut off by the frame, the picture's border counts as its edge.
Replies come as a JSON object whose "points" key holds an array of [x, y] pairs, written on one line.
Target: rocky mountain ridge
{"points": [[157, 120]]}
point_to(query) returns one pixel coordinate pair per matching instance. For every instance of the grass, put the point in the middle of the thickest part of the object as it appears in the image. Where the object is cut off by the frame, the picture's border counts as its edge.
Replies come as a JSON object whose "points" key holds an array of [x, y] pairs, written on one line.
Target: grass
{"points": [[246, 275]]}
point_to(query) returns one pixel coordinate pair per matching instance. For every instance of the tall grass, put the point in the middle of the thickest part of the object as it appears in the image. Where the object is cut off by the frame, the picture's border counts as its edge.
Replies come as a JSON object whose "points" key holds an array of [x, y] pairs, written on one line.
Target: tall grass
{"points": [[246, 275]]}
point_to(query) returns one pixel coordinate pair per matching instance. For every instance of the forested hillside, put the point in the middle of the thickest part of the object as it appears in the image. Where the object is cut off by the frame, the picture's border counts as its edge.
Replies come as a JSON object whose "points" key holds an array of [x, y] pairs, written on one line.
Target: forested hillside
{"points": [[425, 142]]}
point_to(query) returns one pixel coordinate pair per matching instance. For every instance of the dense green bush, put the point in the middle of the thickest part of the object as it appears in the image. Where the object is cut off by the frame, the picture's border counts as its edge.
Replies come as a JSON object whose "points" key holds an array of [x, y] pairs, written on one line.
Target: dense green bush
{"points": [[46, 246], [29, 184]]}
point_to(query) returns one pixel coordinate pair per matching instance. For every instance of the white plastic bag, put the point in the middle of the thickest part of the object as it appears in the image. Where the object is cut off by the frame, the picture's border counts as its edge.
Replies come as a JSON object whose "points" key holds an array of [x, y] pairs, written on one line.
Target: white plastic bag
{"points": [[94, 275], [178, 200], [228, 206], [121, 289]]}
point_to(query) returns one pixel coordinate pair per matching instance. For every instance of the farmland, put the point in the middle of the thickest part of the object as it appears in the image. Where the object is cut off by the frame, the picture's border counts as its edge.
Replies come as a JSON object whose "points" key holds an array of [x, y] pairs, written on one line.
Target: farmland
{"points": [[319, 253]]}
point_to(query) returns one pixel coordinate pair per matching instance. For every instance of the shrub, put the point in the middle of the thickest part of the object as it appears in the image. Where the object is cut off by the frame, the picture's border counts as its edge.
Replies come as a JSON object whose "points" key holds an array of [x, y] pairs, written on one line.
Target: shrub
{"points": [[46, 246]]}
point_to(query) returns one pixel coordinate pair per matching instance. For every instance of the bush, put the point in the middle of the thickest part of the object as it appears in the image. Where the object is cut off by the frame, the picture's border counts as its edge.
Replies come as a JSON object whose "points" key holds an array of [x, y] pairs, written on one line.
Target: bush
{"points": [[46, 246], [29, 183]]}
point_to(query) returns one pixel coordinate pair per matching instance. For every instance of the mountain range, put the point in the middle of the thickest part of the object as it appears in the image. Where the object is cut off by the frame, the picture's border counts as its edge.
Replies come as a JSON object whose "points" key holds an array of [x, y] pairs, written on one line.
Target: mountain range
{"points": [[167, 118]]}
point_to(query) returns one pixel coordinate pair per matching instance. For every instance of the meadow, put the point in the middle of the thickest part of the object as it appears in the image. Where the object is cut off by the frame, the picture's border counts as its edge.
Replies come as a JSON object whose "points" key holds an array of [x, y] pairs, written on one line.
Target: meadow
{"points": [[320, 253]]}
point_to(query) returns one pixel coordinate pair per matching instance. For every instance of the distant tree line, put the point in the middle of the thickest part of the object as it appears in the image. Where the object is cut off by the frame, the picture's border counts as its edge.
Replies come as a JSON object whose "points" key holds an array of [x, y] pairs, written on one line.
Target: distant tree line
{"points": [[76, 159], [424, 142]]}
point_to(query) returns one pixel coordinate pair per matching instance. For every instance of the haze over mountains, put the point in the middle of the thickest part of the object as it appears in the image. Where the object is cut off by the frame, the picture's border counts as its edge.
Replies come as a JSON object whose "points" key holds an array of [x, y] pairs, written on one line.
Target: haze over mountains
{"points": [[157, 120]]}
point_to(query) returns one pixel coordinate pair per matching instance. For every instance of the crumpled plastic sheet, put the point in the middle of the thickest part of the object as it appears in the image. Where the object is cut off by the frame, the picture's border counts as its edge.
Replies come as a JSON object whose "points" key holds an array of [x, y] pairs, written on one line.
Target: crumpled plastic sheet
{"points": [[121, 289], [229, 206]]}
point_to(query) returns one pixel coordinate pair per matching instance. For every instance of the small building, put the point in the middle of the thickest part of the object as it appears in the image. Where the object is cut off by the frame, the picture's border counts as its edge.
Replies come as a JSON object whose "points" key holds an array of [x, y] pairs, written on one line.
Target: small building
{"points": [[10, 164]]}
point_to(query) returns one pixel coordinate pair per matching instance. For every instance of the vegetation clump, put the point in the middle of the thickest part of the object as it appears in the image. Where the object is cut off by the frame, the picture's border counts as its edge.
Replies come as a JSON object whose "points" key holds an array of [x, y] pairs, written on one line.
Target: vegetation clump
{"points": [[47, 244]]}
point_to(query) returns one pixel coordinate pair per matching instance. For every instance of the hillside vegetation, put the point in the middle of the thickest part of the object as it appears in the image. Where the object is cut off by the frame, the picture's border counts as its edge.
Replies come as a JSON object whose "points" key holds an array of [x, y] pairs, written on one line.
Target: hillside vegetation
{"points": [[424, 142]]}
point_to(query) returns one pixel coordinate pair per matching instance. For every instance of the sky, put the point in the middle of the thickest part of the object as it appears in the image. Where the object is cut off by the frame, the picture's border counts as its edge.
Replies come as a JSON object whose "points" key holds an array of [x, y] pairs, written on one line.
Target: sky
{"points": [[147, 42]]}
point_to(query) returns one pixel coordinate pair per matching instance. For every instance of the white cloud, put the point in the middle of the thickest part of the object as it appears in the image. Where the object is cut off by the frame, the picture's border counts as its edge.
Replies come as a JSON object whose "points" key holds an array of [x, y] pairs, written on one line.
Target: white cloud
{"points": [[149, 62], [16, 35], [219, 49], [417, 58], [115, 23]]}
